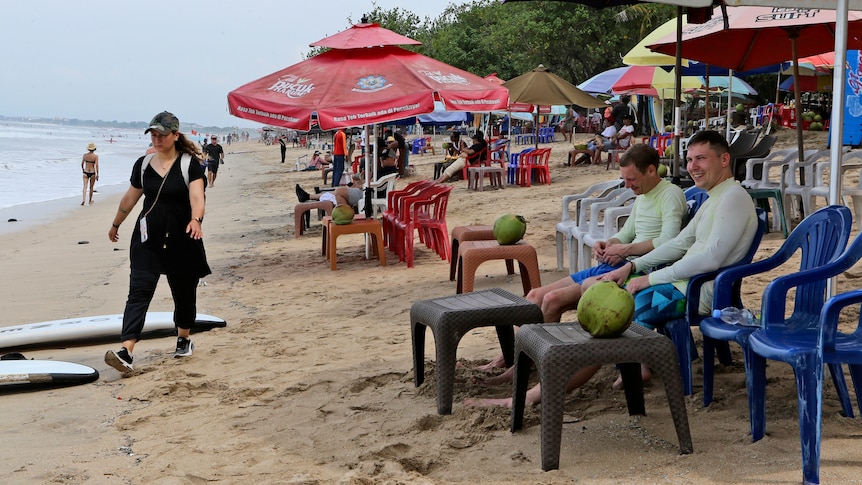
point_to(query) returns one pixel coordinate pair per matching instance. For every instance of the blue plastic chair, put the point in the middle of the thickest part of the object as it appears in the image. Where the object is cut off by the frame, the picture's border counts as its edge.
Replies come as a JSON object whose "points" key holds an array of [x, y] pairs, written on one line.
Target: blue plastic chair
{"points": [[821, 237], [679, 330], [512, 168], [806, 344]]}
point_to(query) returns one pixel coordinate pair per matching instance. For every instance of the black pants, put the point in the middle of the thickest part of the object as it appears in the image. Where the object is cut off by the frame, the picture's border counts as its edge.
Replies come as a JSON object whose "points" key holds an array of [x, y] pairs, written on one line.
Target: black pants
{"points": [[142, 287], [283, 151]]}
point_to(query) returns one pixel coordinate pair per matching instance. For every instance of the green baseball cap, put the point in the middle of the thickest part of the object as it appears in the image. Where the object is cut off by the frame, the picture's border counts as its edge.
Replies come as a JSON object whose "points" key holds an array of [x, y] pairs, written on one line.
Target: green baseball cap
{"points": [[164, 123]]}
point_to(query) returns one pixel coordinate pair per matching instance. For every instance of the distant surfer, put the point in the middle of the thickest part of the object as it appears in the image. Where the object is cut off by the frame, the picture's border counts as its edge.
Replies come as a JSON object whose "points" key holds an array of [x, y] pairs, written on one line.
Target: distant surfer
{"points": [[90, 167]]}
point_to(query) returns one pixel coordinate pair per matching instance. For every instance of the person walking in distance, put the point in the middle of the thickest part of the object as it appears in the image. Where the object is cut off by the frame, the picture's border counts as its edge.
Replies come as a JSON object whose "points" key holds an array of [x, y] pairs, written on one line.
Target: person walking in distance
{"points": [[90, 166], [215, 156], [167, 236], [339, 151]]}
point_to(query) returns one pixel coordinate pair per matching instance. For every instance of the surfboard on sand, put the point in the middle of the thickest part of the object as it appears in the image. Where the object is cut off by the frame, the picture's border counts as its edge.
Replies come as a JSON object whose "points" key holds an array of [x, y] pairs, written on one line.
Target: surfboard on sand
{"points": [[93, 328], [32, 374]]}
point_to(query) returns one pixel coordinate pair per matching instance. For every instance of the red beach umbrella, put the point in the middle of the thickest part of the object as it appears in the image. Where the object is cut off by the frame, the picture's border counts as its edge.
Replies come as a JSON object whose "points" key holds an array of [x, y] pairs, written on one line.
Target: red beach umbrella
{"points": [[364, 35], [356, 87], [760, 36]]}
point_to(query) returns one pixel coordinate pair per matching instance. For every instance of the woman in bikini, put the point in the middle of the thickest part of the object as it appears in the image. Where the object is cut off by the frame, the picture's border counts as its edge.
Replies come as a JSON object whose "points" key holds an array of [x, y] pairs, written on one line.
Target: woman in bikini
{"points": [[90, 166]]}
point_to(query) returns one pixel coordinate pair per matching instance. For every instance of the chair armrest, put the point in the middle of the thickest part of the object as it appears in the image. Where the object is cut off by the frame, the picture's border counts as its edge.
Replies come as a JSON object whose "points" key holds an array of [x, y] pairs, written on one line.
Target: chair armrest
{"points": [[829, 316], [612, 219], [728, 277], [775, 293]]}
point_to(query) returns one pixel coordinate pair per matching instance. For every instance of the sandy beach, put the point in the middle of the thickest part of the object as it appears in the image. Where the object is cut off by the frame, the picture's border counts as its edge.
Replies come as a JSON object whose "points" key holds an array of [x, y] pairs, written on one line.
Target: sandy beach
{"points": [[311, 382]]}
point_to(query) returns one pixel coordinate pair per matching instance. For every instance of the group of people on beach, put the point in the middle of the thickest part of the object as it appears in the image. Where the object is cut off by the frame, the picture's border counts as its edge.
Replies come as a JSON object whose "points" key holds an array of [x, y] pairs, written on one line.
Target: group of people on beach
{"points": [[657, 250]]}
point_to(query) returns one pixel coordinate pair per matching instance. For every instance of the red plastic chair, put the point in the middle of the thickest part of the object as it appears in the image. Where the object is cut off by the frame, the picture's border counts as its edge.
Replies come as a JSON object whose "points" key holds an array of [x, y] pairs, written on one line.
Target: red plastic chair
{"points": [[476, 160], [393, 198], [536, 160], [403, 226], [433, 228], [541, 164], [499, 154], [423, 209], [399, 211]]}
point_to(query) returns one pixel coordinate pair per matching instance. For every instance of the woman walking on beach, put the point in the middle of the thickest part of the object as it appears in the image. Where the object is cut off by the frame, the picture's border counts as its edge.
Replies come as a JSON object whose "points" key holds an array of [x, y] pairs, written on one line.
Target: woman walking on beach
{"points": [[90, 167], [167, 238]]}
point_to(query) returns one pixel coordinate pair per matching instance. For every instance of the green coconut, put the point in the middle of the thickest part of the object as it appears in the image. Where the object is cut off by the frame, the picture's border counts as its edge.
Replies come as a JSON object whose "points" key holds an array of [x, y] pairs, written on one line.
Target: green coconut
{"points": [[509, 229], [662, 170], [343, 214], [606, 310]]}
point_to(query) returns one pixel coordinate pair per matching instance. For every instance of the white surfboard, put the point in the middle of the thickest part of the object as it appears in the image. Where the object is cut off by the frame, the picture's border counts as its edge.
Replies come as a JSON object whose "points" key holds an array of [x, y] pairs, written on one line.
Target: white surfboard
{"points": [[25, 374], [93, 328]]}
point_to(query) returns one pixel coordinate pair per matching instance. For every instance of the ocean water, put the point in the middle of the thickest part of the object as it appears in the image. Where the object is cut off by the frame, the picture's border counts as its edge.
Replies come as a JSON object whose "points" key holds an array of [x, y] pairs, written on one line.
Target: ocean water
{"points": [[41, 162]]}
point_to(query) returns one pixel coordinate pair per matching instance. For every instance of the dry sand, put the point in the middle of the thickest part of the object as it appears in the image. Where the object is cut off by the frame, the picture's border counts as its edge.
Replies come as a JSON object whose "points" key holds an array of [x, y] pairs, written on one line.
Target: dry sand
{"points": [[312, 381]]}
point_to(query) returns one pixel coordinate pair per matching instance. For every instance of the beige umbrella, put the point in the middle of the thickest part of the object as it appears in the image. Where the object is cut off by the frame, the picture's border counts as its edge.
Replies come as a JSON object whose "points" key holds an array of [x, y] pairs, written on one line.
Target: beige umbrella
{"points": [[544, 88]]}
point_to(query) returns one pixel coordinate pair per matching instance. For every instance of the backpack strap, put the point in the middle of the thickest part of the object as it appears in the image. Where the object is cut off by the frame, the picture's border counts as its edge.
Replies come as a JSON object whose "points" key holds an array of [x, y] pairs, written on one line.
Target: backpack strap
{"points": [[185, 163]]}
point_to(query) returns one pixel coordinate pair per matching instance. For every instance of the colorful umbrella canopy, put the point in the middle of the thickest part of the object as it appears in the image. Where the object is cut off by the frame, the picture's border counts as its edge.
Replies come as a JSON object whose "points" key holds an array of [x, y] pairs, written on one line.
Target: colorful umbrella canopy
{"points": [[362, 86], [603, 82], [811, 84], [652, 81], [364, 35]]}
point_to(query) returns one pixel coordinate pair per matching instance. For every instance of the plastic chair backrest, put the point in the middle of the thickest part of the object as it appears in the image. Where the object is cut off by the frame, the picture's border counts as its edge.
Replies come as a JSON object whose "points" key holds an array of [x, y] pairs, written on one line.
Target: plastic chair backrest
{"points": [[517, 156], [596, 190], [694, 197], [821, 237], [393, 196]]}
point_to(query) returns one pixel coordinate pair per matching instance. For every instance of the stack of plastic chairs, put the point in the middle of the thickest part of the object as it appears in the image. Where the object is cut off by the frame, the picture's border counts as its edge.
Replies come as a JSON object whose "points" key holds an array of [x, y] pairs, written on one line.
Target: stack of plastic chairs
{"points": [[536, 160], [512, 169], [542, 167], [591, 225], [412, 210], [394, 222], [393, 199], [569, 218], [432, 227]]}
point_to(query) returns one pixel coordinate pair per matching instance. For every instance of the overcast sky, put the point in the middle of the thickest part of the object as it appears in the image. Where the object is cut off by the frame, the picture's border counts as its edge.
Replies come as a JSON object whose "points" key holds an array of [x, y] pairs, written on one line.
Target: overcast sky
{"points": [[126, 61]]}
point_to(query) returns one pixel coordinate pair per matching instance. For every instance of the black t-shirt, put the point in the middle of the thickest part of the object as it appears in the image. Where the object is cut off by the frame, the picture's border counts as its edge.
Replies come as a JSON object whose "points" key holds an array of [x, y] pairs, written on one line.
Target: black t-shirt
{"points": [[213, 150], [168, 248], [477, 155]]}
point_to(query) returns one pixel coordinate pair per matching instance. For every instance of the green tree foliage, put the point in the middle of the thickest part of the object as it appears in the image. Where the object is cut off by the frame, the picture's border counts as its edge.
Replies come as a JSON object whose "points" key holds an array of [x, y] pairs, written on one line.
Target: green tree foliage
{"points": [[485, 36]]}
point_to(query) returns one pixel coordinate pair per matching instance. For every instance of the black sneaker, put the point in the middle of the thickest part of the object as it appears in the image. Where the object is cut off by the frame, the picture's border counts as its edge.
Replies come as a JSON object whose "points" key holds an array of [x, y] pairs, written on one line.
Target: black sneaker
{"points": [[185, 347], [301, 194], [120, 360]]}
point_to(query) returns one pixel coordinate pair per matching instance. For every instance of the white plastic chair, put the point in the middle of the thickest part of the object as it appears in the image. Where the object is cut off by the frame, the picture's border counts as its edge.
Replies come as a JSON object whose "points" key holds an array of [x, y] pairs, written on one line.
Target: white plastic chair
{"points": [[793, 189], [570, 214], [775, 159], [380, 188], [301, 160], [593, 230], [851, 183]]}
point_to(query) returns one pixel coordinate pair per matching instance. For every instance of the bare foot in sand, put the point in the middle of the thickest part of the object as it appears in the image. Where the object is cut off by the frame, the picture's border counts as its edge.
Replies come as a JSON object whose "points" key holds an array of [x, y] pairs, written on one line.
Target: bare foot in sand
{"points": [[646, 375], [505, 402], [504, 378], [498, 363]]}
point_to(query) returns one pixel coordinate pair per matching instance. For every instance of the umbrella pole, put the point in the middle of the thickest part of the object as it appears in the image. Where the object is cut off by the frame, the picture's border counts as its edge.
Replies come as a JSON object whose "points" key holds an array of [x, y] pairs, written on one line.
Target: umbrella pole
{"points": [[798, 104], [836, 128], [706, 106], [729, 94], [368, 209], [536, 127], [677, 85]]}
